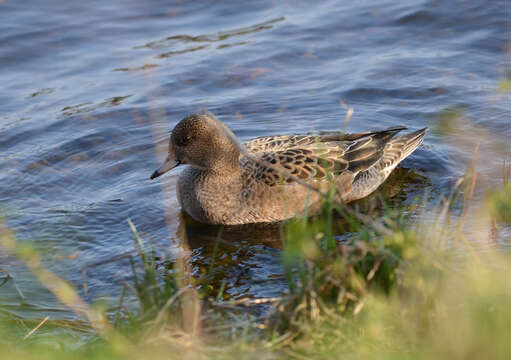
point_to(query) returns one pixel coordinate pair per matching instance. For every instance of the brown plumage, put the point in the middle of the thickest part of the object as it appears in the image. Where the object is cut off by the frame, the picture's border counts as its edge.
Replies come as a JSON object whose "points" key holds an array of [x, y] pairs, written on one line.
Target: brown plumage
{"points": [[228, 183]]}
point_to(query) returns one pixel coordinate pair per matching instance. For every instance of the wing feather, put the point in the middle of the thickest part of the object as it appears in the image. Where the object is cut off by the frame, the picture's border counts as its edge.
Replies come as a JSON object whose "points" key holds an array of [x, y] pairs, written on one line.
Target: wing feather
{"points": [[314, 158]]}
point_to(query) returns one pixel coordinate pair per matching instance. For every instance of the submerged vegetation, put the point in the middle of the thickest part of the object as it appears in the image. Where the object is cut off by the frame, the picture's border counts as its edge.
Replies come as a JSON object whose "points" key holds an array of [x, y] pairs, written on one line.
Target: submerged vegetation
{"points": [[393, 285]]}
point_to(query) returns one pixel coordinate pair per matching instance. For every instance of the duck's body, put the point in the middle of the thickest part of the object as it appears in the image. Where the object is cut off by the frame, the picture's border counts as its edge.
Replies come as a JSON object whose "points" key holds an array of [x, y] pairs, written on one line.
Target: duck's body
{"points": [[227, 183]]}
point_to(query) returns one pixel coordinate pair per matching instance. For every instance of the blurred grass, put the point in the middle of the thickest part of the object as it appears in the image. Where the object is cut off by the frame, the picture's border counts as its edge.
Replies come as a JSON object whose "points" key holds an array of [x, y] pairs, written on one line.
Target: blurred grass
{"points": [[389, 296], [505, 85]]}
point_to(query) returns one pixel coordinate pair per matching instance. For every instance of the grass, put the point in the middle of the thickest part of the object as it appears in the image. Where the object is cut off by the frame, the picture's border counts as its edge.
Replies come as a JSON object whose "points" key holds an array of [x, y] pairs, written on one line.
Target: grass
{"points": [[391, 287], [390, 295]]}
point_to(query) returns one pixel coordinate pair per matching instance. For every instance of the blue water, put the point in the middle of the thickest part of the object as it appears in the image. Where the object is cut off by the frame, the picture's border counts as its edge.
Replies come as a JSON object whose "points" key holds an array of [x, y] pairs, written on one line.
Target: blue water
{"points": [[89, 91]]}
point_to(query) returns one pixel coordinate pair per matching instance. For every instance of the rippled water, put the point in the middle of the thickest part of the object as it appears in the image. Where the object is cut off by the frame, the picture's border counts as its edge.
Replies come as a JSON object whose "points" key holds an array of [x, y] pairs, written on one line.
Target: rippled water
{"points": [[90, 89]]}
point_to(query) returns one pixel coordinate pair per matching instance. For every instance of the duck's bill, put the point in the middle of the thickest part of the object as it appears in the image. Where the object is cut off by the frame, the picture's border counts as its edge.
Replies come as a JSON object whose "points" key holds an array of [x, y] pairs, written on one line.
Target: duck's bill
{"points": [[168, 165]]}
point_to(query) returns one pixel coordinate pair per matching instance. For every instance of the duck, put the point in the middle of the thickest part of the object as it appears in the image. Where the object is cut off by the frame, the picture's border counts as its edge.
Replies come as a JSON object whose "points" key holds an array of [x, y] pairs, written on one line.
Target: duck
{"points": [[273, 178]]}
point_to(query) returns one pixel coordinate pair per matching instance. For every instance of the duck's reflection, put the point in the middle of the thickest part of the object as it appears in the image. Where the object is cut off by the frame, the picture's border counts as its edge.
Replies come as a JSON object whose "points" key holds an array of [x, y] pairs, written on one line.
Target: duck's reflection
{"points": [[243, 259]]}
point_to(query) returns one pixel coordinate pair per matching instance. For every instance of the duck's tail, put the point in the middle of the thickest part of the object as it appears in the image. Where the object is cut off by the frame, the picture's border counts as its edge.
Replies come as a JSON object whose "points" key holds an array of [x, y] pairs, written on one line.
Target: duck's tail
{"points": [[395, 150], [399, 148]]}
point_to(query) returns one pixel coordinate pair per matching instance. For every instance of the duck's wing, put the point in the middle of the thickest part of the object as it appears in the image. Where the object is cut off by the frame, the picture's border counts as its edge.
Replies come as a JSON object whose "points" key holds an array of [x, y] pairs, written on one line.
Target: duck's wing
{"points": [[314, 158], [277, 143], [282, 142]]}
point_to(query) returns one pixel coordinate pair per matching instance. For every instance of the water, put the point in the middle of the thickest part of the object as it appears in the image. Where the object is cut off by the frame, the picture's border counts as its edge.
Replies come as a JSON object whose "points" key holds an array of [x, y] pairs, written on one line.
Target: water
{"points": [[91, 89]]}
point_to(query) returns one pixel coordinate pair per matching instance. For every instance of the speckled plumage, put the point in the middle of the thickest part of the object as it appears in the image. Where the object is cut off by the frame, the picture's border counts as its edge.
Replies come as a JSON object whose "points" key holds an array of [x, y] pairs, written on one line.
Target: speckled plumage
{"points": [[228, 183]]}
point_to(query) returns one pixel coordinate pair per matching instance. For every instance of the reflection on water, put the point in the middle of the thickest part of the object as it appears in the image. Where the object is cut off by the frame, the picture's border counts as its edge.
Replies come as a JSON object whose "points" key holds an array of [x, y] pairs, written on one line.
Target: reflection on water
{"points": [[177, 41], [87, 102]]}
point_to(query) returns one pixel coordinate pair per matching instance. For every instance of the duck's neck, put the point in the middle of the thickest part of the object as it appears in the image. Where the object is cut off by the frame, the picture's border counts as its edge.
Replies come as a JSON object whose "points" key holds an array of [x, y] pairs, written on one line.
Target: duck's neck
{"points": [[224, 169], [227, 163]]}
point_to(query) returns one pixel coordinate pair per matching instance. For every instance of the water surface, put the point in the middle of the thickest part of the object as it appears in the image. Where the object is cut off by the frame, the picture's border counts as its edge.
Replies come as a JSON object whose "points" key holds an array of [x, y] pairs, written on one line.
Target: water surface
{"points": [[91, 89]]}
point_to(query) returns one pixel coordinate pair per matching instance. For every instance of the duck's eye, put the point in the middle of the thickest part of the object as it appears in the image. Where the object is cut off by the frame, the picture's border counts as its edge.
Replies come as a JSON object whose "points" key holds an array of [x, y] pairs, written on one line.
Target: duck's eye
{"points": [[184, 140]]}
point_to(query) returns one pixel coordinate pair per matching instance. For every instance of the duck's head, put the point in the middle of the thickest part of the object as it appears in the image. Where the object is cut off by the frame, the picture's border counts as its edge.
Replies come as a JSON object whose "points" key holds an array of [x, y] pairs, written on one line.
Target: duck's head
{"points": [[203, 142]]}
